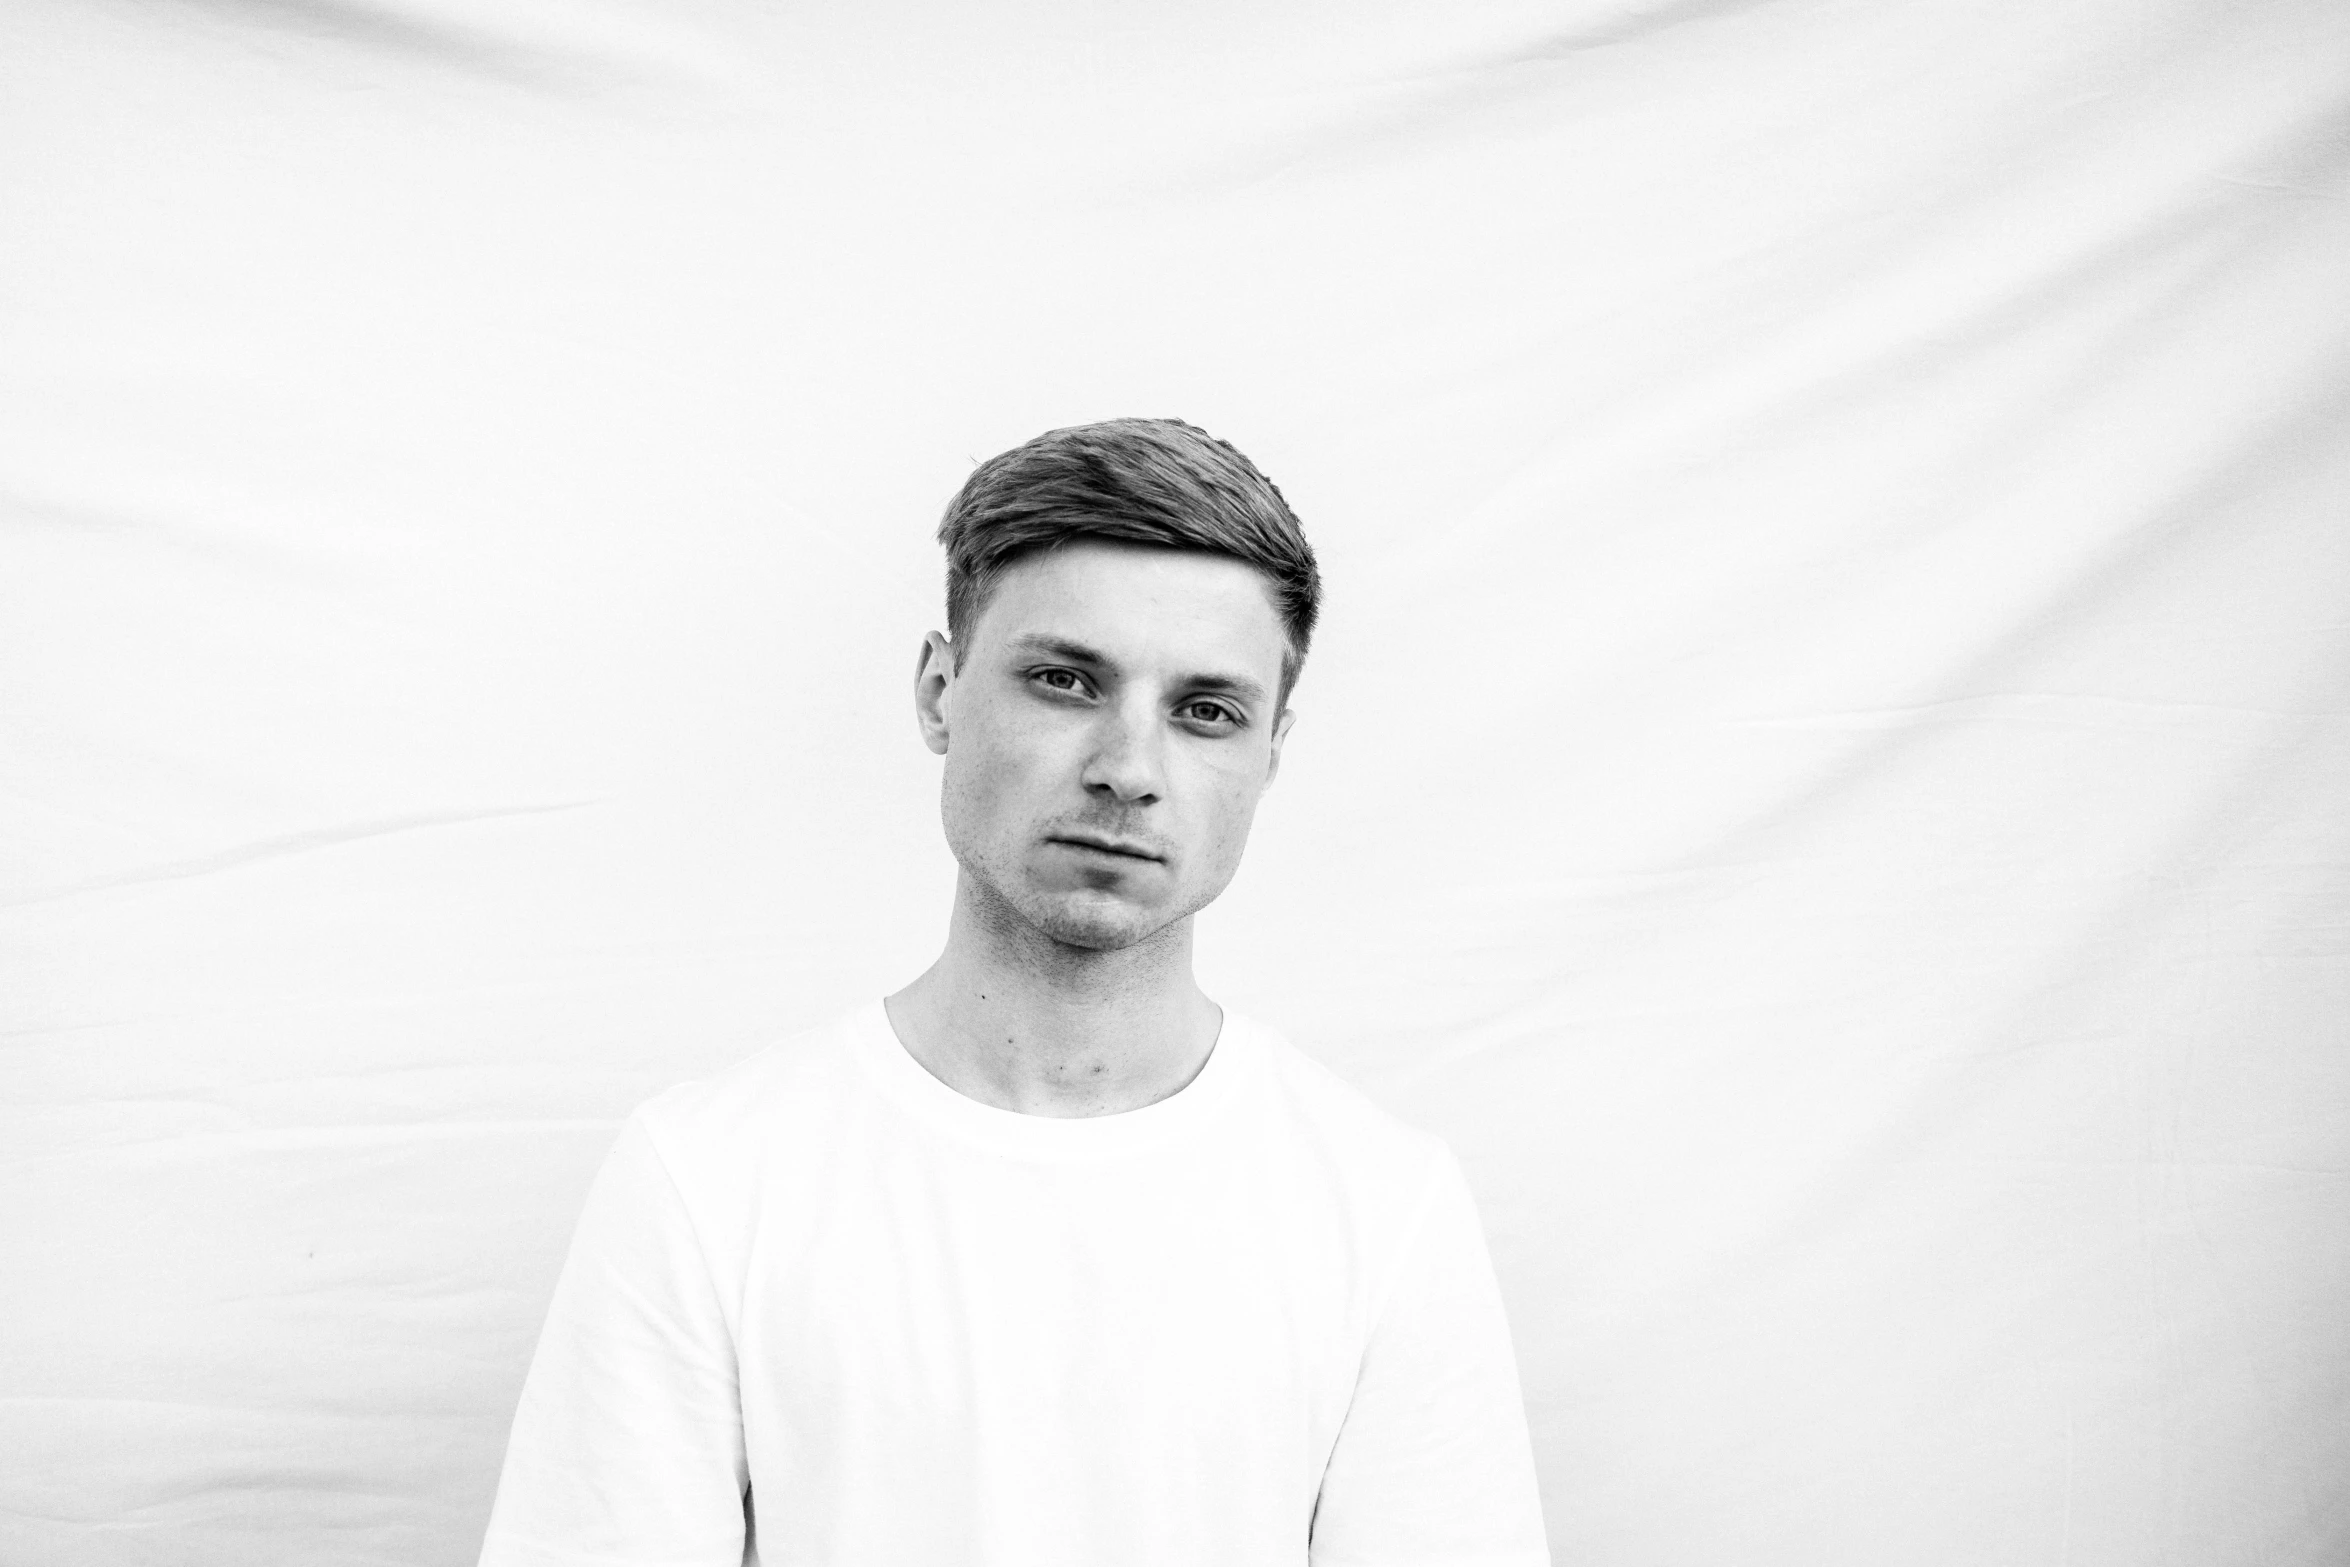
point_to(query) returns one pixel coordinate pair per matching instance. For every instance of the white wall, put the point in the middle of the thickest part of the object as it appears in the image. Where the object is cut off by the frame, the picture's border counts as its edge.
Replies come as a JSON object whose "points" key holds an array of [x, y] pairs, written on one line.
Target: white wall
{"points": [[1823, 776]]}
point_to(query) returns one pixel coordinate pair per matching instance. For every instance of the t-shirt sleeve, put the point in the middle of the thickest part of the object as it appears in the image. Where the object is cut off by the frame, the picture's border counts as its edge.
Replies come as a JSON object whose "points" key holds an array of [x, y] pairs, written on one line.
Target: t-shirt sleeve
{"points": [[1432, 1467], [627, 1448]]}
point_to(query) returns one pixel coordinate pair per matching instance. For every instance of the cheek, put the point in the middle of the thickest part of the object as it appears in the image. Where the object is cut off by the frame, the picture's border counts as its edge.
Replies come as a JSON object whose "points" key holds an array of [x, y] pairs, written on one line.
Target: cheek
{"points": [[991, 776], [1231, 805]]}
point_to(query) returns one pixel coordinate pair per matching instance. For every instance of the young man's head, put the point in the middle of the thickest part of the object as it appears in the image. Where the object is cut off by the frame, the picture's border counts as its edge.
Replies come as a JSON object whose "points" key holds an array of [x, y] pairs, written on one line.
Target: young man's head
{"points": [[1128, 605]]}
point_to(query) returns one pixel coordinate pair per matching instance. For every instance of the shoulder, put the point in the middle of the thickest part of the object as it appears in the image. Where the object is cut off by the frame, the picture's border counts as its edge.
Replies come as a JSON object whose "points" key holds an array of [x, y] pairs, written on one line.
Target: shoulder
{"points": [[1368, 1148], [1334, 1106], [773, 1100]]}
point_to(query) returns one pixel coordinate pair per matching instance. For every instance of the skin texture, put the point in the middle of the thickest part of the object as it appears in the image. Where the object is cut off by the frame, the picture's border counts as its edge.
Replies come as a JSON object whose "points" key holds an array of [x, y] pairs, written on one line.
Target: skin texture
{"points": [[1107, 736]]}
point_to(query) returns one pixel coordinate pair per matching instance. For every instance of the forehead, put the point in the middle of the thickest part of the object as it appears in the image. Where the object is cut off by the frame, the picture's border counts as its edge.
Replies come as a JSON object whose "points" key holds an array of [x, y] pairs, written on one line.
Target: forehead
{"points": [[1139, 600]]}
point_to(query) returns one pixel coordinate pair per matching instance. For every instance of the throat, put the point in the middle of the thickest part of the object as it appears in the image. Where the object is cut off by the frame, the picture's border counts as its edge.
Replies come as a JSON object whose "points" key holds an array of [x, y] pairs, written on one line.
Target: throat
{"points": [[1039, 1051]]}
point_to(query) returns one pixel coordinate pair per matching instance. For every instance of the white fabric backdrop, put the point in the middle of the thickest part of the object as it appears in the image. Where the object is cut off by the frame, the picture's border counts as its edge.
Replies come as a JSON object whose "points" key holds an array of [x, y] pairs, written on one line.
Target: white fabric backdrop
{"points": [[1824, 777]]}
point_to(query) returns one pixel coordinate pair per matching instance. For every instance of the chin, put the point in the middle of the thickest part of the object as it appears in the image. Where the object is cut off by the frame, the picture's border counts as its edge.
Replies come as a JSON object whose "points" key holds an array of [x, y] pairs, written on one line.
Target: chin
{"points": [[1093, 924], [1092, 918]]}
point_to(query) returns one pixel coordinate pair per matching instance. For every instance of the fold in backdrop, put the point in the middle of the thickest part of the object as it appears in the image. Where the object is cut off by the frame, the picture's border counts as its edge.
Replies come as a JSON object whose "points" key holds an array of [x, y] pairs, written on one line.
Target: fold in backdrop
{"points": [[1826, 777]]}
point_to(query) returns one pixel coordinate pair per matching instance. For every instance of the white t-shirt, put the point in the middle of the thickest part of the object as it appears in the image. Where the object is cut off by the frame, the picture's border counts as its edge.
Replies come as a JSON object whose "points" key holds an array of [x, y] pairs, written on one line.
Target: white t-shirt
{"points": [[823, 1309]]}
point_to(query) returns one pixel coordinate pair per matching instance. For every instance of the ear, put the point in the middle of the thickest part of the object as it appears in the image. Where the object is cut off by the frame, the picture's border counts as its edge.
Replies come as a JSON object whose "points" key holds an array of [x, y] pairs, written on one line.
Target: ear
{"points": [[934, 689], [1280, 733]]}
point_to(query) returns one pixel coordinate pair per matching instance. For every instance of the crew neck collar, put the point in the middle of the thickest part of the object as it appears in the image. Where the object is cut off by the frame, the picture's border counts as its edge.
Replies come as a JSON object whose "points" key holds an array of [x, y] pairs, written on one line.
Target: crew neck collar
{"points": [[892, 1069]]}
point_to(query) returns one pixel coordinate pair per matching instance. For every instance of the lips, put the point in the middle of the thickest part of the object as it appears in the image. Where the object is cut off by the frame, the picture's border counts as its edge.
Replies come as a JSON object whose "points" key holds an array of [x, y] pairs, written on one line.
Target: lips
{"points": [[1122, 847]]}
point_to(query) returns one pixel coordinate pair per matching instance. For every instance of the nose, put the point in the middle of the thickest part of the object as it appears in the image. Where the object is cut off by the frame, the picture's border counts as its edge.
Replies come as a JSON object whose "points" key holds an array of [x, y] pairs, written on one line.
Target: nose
{"points": [[1128, 761]]}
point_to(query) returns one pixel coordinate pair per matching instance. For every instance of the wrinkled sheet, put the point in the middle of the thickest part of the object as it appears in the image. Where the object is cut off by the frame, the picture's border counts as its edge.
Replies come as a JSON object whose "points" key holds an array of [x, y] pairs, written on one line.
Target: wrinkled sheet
{"points": [[1825, 774]]}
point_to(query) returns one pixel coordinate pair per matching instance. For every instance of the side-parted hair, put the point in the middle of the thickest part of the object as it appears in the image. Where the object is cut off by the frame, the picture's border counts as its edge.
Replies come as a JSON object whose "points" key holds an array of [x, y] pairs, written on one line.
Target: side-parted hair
{"points": [[1143, 481]]}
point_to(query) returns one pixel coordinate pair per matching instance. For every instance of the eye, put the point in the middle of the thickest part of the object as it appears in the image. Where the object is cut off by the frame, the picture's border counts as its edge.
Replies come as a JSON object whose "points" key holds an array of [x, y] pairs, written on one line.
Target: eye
{"points": [[1058, 679], [1209, 714]]}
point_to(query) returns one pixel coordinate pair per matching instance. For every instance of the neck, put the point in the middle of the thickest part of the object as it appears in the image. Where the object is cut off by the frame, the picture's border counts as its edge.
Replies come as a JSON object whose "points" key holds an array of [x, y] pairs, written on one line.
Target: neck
{"points": [[1012, 1018]]}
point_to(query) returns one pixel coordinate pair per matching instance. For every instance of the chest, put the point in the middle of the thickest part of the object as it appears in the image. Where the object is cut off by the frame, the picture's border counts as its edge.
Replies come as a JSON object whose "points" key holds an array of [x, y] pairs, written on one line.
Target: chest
{"points": [[1169, 1303]]}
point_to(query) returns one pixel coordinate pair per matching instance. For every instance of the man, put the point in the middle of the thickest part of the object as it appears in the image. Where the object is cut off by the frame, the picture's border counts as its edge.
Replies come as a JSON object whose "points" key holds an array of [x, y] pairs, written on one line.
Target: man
{"points": [[1045, 1261]]}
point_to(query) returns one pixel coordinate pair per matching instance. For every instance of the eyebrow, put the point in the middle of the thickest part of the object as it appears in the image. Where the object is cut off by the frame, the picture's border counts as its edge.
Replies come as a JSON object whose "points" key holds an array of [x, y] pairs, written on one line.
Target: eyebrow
{"points": [[1240, 686]]}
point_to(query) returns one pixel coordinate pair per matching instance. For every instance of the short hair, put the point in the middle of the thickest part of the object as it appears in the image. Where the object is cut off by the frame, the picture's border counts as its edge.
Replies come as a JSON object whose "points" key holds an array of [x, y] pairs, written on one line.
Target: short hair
{"points": [[1141, 481]]}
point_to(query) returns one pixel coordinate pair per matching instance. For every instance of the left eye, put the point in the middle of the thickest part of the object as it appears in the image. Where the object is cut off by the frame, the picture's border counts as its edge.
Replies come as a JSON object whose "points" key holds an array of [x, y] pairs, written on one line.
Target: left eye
{"points": [[1207, 712]]}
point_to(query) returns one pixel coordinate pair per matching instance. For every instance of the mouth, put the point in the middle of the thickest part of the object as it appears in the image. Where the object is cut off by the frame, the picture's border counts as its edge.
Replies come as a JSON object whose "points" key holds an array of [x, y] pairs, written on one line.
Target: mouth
{"points": [[1119, 847]]}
